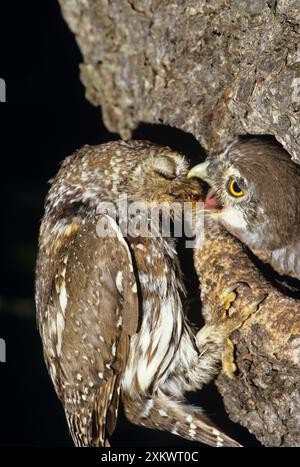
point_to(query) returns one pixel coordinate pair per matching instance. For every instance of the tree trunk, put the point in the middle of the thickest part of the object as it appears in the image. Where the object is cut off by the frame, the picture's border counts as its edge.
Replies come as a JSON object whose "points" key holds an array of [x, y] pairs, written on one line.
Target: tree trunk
{"points": [[264, 396], [215, 69]]}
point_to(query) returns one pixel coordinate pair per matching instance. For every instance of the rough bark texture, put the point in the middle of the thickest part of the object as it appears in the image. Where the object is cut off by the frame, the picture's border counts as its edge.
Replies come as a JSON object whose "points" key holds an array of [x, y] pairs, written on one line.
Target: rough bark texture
{"points": [[265, 396], [213, 68]]}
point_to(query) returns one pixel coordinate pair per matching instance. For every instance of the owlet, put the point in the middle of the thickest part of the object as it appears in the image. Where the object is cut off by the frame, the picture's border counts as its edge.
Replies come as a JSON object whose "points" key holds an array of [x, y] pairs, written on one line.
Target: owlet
{"points": [[255, 195]]}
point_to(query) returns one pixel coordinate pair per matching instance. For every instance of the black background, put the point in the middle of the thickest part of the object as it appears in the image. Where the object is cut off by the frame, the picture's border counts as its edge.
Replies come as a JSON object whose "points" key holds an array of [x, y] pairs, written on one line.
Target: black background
{"points": [[44, 119]]}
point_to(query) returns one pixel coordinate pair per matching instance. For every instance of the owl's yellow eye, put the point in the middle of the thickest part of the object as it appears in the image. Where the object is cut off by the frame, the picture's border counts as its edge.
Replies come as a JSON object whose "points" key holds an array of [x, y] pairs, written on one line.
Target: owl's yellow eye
{"points": [[234, 189]]}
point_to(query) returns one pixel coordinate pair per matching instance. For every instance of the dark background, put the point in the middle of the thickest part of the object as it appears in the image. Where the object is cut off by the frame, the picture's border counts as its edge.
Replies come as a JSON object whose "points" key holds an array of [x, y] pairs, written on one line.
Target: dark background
{"points": [[45, 118]]}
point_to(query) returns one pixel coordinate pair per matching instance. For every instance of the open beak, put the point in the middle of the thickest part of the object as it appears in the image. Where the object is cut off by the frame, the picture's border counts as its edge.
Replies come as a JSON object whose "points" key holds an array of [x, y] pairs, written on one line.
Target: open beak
{"points": [[200, 171], [211, 201]]}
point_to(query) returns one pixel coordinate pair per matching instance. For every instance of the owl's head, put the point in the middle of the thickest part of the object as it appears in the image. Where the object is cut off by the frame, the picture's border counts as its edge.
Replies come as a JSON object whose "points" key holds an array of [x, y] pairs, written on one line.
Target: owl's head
{"points": [[254, 192], [160, 176], [139, 169]]}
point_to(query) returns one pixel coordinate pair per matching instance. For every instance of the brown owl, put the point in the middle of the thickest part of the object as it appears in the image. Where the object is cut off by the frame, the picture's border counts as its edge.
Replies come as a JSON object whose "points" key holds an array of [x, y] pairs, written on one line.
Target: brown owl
{"points": [[255, 195], [110, 308]]}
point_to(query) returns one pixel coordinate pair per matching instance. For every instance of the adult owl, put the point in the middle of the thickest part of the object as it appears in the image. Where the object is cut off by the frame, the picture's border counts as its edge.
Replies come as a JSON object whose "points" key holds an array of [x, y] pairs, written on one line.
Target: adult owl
{"points": [[255, 194], [110, 308]]}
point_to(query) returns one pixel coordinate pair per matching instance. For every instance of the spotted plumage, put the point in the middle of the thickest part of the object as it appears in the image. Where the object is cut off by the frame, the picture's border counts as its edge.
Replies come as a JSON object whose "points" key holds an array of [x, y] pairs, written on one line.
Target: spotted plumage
{"points": [[255, 195], [110, 308]]}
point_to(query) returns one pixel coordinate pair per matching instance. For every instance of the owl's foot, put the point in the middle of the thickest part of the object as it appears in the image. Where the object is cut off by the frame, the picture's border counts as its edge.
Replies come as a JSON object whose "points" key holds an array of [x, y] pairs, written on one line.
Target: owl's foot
{"points": [[234, 314], [228, 364], [232, 319], [213, 340]]}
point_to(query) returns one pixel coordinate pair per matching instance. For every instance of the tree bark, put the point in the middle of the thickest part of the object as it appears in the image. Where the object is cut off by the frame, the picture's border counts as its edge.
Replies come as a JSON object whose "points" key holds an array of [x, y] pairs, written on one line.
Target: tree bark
{"points": [[215, 69], [264, 396]]}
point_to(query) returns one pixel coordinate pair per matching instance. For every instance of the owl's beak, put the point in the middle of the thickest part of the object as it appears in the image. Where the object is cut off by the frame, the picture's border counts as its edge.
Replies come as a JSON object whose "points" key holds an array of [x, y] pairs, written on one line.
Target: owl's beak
{"points": [[211, 201], [200, 171]]}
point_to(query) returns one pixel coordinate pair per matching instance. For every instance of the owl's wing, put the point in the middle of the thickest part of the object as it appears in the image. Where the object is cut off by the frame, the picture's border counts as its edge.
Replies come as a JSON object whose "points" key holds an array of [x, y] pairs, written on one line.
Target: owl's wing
{"points": [[93, 310]]}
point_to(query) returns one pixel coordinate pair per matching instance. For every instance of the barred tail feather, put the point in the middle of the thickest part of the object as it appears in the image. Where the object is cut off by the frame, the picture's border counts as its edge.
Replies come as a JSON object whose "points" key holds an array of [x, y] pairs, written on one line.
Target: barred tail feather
{"points": [[187, 421]]}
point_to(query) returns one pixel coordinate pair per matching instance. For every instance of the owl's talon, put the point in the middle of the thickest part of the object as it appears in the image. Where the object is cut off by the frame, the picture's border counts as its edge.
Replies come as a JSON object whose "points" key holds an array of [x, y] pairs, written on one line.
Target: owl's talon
{"points": [[233, 323], [238, 317], [251, 308], [228, 364], [227, 298], [231, 288]]}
